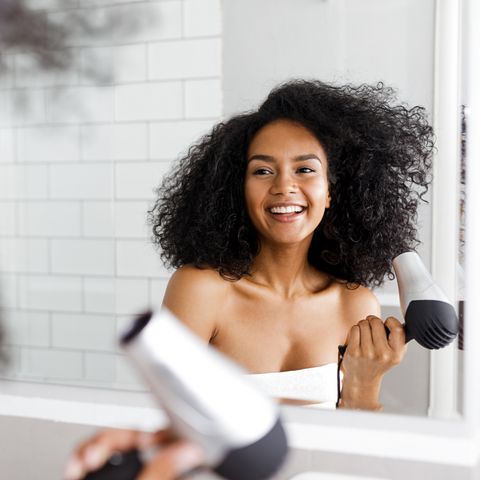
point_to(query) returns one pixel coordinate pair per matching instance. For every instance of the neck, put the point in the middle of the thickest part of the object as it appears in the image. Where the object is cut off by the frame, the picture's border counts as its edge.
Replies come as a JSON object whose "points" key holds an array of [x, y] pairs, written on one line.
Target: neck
{"points": [[284, 268]]}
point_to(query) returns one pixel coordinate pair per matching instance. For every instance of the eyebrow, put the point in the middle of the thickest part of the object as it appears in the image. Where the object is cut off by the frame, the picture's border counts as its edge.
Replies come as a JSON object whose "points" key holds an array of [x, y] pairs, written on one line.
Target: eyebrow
{"points": [[300, 158]]}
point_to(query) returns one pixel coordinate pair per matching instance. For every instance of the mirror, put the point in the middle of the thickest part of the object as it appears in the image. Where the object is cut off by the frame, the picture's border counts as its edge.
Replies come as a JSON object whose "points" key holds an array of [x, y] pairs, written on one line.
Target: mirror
{"points": [[81, 154]]}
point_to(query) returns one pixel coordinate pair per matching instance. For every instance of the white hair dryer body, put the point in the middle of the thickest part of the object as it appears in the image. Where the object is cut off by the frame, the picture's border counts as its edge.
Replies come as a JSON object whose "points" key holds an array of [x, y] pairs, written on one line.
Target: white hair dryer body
{"points": [[430, 318], [208, 398]]}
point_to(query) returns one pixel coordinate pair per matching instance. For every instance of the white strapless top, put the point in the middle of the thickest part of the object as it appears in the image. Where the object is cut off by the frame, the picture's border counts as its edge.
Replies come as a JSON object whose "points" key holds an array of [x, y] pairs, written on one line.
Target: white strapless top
{"points": [[317, 385]]}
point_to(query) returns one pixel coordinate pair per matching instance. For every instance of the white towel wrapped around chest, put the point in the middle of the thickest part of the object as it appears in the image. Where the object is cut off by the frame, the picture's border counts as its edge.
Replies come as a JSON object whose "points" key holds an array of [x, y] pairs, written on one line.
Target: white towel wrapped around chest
{"points": [[316, 384]]}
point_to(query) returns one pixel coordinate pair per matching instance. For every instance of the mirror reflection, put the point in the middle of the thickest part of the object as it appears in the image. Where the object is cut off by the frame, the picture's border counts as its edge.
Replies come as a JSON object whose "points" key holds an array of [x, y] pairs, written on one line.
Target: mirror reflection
{"points": [[82, 155]]}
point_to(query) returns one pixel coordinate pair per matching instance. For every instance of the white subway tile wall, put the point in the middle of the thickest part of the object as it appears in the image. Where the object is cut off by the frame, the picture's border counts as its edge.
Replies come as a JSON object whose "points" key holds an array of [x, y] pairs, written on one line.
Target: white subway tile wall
{"points": [[81, 152], [23, 182], [7, 145]]}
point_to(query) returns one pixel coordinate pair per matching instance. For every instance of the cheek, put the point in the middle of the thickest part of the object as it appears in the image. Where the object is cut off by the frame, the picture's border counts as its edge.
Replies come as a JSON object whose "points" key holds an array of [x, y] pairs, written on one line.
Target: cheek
{"points": [[252, 194], [320, 192]]}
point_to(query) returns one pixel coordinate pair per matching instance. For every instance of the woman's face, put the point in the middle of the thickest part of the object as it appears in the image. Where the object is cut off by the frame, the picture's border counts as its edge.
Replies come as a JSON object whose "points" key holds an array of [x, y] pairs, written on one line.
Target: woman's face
{"points": [[286, 187]]}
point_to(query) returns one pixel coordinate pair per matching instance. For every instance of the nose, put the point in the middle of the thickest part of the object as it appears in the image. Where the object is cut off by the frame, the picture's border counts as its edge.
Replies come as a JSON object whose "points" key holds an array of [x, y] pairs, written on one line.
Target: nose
{"points": [[284, 183]]}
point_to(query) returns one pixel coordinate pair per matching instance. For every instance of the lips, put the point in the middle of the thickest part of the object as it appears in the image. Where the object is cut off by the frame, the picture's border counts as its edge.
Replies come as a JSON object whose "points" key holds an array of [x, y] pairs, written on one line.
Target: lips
{"points": [[286, 213]]}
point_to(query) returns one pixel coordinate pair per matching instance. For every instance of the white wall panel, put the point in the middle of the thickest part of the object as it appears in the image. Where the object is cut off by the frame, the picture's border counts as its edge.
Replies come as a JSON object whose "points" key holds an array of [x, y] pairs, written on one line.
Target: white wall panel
{"points": [[155, 21], [49, 4], [28, 328], [99, 31], [43, 292], [202, 18], [22, 107], [130, 63], [116, 295], [24, 255], [28, 74], [27, 107], [83, 331], [157, 291], [184, 59], [9, 290], [131, 219], [98, 219], [203, 98], [100, 366], [22, 182], [48, 144], [5, 114], [138, 180], [137, 258], [122, 141], [94, 257], [130, 141], [14, 363], [94, 3], [148, 101], [7, 76], [169, 139], [131, 296], [96, 65], [126, 372], [43, 363], [7, 218], [7, 145], [97, 142], [93, 181], [49, 218], [99, 294], [84, 104]]}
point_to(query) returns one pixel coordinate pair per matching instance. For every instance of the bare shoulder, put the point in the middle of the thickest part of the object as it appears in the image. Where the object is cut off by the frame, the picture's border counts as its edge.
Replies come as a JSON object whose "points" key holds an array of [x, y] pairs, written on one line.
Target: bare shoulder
{"points": [[358, 303], [192, 295]]}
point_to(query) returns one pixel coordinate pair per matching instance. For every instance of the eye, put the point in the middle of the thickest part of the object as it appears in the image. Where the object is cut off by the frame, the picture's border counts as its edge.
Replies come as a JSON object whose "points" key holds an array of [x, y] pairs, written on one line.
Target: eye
{"points": [[261, 171], [305, 170]]}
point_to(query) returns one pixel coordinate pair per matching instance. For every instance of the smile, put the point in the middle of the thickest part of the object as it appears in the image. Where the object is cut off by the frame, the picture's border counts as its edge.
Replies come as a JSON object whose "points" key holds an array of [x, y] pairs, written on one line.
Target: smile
{"points": [[286, 210]]}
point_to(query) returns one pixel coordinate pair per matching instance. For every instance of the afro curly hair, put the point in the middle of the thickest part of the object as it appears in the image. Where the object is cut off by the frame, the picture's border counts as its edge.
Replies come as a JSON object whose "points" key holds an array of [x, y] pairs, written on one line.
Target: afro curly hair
{"points": [[379, 157]]}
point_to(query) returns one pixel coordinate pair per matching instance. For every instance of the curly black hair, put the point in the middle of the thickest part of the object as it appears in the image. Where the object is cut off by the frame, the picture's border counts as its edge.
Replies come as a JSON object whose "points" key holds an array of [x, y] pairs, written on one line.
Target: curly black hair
{"points": [[379, 155]]}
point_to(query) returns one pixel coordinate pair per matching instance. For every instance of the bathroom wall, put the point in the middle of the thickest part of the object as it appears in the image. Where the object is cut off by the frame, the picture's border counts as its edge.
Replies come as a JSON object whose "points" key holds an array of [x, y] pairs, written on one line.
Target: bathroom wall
{"points": [[80, 154]]}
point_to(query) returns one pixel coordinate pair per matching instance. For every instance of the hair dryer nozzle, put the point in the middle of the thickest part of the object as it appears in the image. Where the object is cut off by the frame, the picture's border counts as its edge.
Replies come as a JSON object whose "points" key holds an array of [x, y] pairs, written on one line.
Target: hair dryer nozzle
{"points": [[430, 319]]}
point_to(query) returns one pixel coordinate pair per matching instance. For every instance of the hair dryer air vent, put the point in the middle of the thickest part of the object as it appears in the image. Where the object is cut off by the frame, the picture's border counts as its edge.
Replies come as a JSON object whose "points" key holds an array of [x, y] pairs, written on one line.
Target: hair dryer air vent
{"points": [[430, 319]]}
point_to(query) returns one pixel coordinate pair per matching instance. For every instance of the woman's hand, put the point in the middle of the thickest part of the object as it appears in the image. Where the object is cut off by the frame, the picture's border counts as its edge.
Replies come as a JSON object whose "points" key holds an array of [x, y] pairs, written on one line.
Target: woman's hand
{"points": [[174, 458], [369, 356]]}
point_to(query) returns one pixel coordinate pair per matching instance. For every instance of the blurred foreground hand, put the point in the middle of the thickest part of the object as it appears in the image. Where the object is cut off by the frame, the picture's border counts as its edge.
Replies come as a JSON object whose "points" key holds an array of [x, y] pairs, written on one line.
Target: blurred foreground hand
{"points": [[174, 457]]}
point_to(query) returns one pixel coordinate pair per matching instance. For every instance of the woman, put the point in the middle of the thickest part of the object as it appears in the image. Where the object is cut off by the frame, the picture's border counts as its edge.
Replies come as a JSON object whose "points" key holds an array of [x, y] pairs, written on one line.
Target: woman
{"points": [[278, 221]]}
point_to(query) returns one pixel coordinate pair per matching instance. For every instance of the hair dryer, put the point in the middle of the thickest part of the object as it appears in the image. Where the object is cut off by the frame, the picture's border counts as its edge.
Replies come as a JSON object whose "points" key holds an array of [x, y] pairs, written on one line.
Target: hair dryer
{"points": [[430, 318], [207, 398]]}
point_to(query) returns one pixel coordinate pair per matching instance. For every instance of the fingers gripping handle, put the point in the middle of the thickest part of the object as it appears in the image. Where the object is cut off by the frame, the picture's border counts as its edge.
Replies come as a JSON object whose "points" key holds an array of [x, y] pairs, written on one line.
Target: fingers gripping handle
{"points": [[408, 333], [343, 348]]}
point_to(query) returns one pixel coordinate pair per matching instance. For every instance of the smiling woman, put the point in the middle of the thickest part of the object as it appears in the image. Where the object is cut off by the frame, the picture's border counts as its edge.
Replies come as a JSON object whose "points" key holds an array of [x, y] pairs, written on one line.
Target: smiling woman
{"points": [[286, 215]]}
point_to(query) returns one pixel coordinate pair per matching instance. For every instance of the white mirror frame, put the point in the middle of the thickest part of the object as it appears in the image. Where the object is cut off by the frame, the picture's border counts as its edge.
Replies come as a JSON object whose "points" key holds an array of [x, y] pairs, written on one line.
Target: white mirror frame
{"points": [[386, 436]]}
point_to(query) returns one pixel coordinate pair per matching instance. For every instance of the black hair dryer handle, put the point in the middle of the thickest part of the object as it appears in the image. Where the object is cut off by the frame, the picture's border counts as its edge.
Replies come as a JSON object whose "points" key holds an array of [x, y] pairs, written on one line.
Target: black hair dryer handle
{"points": [[120, 466]]}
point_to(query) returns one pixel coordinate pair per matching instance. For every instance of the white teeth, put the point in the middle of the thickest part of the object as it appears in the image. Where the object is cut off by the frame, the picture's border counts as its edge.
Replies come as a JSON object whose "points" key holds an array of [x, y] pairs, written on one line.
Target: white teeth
{"points": [[289, 209]]}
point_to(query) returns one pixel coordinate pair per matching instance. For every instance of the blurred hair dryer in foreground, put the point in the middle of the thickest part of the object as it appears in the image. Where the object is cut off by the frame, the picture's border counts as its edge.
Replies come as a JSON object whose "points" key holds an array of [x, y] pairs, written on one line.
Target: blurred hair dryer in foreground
{"points": [[207, 398], [430, 318]]}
